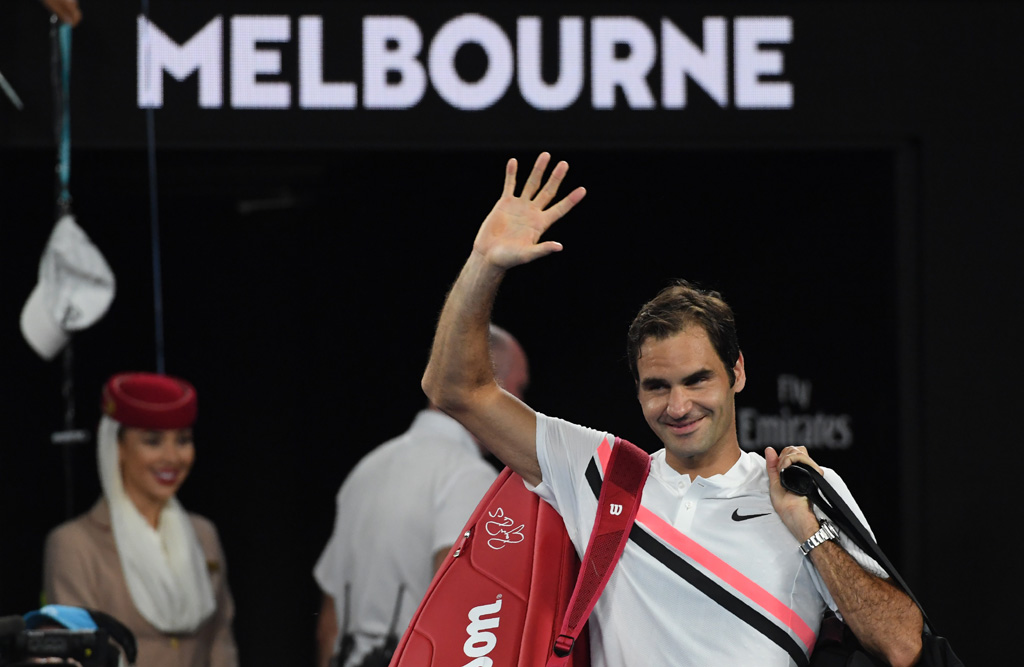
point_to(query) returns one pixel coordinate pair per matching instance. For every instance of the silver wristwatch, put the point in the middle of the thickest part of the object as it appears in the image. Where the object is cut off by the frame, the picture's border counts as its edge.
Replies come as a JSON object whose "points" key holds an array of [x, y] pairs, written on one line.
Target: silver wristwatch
{"points": [[828, 531]]}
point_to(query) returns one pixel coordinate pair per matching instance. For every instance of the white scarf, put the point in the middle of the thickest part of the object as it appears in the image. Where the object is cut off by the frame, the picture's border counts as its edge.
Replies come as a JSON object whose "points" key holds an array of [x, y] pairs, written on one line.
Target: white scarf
{"points": [[165, 568]]}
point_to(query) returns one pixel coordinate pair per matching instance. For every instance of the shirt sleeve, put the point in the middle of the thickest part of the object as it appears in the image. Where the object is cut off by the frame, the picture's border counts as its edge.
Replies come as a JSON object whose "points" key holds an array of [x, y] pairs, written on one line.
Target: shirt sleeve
{"points": [[564, 450], [327, 570], [864, 560]]}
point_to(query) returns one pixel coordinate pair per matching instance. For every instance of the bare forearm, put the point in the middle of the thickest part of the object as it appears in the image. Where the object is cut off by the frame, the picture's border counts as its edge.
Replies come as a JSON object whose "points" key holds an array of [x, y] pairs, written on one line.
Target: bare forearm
{"points": [[326, 631], [460, 379], [884, 618], [460, 362]]}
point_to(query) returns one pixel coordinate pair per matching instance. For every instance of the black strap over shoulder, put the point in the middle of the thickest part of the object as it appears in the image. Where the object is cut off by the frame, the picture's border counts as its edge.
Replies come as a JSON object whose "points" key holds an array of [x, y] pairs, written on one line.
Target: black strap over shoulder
{"points": [[804, 480], [843, 650]]}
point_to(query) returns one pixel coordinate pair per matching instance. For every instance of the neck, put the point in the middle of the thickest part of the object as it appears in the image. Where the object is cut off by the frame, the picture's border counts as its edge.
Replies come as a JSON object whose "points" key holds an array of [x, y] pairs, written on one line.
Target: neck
{"points": [[148, 508]]}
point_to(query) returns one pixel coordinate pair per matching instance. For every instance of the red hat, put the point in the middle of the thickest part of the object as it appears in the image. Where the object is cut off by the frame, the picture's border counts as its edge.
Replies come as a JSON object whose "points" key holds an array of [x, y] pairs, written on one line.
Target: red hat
{"points": [[149, 400]]}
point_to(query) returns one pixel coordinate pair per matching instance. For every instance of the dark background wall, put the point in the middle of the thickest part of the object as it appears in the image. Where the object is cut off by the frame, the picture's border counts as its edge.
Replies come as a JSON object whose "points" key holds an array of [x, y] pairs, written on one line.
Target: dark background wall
{"points": [[865, 238]]}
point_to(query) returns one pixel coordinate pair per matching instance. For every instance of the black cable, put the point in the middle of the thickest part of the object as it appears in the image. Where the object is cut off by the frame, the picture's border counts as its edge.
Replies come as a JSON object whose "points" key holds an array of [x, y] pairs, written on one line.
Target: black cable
{"points": [[154, 221]]}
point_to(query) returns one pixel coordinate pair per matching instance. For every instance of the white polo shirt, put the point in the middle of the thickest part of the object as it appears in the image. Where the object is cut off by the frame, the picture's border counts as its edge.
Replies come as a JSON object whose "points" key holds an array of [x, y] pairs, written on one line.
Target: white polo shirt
{"points": [[710, 575], [402, 502]]}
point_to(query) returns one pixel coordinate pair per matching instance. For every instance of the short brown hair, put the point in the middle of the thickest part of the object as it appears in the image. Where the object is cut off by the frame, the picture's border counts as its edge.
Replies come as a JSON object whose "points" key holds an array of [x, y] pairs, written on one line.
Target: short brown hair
{"points": [[678, 306]]}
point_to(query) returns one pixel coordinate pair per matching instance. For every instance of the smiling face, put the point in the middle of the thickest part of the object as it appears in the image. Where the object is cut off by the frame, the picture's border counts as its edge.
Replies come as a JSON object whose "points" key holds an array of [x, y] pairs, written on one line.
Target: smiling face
{"points": [[154, 464], [685, 392]]}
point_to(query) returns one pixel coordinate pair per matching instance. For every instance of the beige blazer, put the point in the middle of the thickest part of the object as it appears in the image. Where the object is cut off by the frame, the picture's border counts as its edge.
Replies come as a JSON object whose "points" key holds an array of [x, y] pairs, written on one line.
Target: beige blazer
{"points": [[82, 568]]}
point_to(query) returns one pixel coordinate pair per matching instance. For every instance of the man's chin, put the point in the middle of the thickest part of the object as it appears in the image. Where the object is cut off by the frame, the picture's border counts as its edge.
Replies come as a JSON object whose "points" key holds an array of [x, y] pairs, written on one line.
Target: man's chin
{"points": [[682, 437]]}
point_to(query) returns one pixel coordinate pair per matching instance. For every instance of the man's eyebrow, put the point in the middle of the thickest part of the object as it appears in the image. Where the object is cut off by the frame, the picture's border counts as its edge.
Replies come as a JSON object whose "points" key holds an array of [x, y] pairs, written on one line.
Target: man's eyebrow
{"points": [[702, 374], [653, 382], [694, 377]]}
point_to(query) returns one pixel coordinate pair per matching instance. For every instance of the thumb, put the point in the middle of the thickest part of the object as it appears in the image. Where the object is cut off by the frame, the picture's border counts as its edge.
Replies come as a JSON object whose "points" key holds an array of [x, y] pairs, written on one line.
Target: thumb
{"points": [[543, 249], [771, 459]]}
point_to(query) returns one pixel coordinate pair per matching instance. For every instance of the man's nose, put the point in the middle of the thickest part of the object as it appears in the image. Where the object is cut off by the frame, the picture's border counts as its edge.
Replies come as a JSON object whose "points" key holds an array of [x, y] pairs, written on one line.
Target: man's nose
{"points": [[679, 402]]}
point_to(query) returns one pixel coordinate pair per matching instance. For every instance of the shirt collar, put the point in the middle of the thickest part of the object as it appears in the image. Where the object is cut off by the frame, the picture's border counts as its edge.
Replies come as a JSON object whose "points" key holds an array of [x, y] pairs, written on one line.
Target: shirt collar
{"points": [[740, 471]]}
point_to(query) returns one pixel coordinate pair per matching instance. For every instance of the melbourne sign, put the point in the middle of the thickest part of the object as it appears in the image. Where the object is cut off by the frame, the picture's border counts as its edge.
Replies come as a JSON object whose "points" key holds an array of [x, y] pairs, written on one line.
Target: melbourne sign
{"points": [[549, 63]]}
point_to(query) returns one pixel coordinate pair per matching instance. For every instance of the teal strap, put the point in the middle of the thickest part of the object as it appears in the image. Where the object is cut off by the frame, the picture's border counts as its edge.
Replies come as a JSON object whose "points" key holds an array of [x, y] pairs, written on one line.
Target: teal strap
{"points": [[64, 146]]}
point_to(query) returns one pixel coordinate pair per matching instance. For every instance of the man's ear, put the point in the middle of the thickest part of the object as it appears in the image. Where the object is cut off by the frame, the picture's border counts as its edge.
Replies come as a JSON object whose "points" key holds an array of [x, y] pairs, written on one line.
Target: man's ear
{"points": [[740, 373]]}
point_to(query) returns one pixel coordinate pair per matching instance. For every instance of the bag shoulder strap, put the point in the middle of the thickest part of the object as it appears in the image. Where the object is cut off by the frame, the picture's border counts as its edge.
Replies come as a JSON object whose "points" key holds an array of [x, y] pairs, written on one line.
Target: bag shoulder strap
{"points": [[835, 508], [617, 505]]}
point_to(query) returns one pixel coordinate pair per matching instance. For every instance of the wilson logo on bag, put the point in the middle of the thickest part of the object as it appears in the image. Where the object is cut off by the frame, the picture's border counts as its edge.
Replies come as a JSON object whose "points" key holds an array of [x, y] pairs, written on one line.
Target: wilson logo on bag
{"points": [[481, 641]]}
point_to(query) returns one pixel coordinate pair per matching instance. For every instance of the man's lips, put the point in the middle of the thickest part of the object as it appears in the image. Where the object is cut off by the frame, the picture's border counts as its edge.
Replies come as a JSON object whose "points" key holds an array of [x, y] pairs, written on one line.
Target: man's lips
{"points": [[684, 426]]}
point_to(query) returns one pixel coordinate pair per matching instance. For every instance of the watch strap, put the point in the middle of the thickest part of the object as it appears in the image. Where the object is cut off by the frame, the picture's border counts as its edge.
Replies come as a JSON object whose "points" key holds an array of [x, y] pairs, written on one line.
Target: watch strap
{"points": [[826, 532]]}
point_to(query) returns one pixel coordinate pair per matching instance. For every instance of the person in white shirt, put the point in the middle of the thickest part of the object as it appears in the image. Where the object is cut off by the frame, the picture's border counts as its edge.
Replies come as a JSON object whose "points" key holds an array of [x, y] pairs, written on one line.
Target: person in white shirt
{"points": [[714, 573], [398, 513]]}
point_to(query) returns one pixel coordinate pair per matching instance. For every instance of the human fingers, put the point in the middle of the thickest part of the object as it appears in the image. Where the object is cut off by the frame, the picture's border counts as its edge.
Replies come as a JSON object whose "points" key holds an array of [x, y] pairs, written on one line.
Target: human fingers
{"points": [[566, 203], [74, 14], [790, 455], [771, 460], [541, 249], [66, 10], [509, 188], [550, 189], [536, 175]]}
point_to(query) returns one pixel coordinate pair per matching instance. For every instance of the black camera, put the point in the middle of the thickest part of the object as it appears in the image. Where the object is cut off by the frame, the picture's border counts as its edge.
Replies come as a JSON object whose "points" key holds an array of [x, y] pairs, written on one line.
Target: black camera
{"points": [[75, 648]]}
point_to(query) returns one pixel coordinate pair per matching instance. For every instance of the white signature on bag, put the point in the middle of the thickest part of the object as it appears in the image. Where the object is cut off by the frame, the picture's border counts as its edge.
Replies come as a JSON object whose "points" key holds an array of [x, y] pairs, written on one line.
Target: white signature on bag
{"points": [[501, 530]]}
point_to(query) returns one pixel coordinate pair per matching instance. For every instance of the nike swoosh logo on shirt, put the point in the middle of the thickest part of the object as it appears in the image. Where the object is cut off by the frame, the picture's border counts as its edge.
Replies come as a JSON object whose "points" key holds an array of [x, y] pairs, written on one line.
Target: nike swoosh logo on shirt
{"points": [[736, 516]]}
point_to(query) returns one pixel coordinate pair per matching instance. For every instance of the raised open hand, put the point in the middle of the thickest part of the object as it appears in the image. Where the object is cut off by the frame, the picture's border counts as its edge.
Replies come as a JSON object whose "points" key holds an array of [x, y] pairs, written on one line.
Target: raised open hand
{"points": [[510, 234]]}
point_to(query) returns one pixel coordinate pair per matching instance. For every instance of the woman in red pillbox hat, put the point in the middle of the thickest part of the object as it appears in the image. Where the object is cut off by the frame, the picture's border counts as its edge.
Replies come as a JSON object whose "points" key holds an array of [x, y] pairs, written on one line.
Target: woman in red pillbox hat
{"points": [[137, 554]]}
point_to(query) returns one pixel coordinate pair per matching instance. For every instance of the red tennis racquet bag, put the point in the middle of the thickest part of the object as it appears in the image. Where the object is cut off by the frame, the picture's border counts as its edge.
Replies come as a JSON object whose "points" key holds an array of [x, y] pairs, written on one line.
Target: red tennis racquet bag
{"points": [[501, 597]]}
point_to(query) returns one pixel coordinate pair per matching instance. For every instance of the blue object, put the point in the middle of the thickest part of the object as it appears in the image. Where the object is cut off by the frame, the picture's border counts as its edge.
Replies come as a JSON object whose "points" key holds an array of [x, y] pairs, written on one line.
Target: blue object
{"points": [[72, 618]]}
